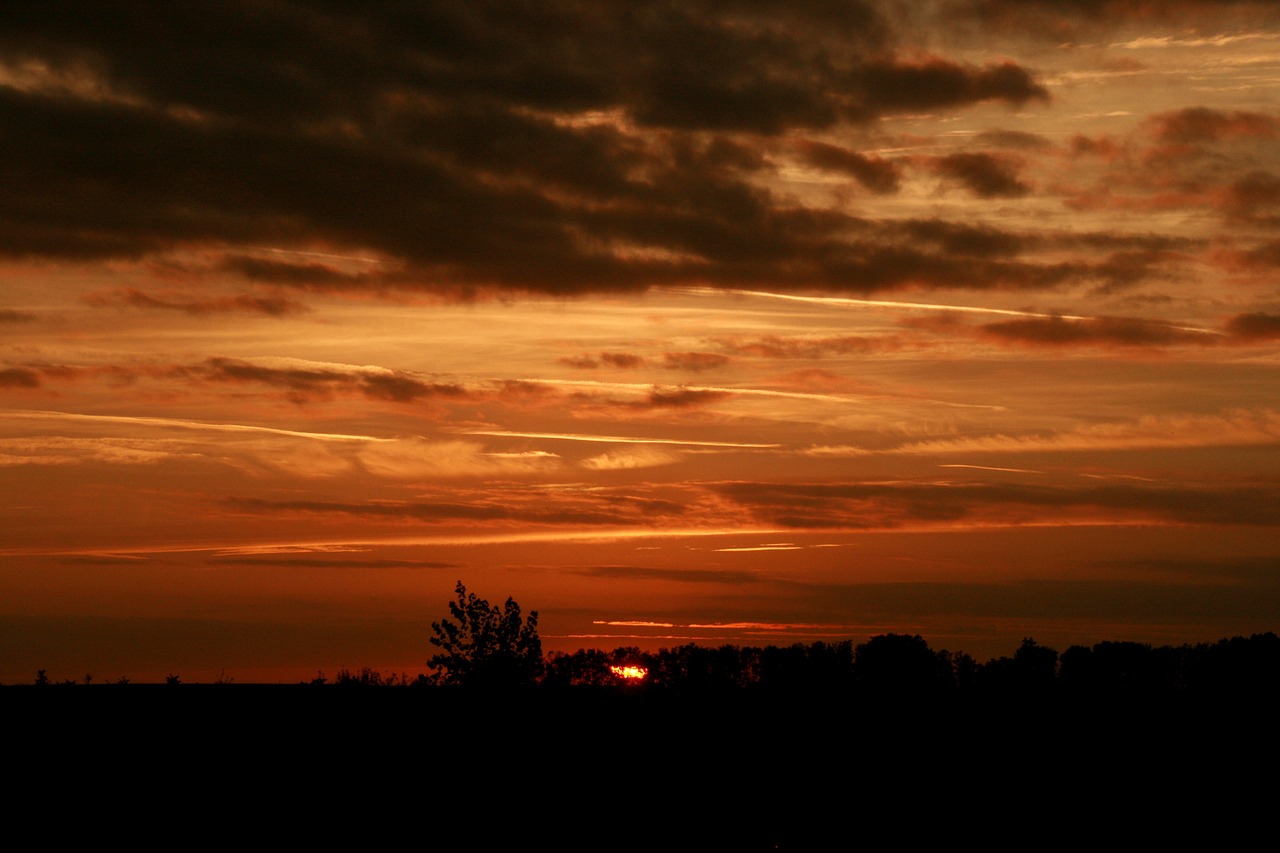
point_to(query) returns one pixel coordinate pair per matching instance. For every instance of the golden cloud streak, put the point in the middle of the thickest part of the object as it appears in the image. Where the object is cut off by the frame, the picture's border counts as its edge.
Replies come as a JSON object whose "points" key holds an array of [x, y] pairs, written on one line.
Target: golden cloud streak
{"points": [[359, 543], [611, 439], [25, 414], [649, 387]]}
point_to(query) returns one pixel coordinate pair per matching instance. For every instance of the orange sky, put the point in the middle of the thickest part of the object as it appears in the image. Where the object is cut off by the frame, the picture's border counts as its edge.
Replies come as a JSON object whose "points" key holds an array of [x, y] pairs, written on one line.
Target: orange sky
{"points": [[675, 322]]}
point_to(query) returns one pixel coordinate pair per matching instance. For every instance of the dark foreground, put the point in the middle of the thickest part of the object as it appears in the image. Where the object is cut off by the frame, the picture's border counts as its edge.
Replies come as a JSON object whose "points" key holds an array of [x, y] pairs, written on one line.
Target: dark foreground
{"points": [[627, 769]]}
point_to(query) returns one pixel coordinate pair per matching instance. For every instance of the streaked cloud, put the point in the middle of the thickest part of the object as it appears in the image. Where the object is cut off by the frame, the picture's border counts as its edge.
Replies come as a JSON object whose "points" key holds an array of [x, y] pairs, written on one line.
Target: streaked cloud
{"points": [[616, 439], [630, 458]]}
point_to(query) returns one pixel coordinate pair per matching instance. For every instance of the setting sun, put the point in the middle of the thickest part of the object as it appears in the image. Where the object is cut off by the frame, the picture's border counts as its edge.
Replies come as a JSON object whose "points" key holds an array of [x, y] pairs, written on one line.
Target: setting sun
{"points": [[630, 673]]}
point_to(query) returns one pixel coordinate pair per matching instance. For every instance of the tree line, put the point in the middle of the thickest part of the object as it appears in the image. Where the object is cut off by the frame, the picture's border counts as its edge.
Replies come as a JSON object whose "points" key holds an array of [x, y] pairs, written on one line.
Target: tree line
{"points": [[484, 646]]}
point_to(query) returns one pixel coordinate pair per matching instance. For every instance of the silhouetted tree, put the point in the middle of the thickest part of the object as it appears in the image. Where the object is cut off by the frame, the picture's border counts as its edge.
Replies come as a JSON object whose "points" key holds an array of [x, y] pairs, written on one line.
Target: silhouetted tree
{"points": [[818, 666], [484, 645], [900, 664], [1033, 670], [1236, 667], [591, 667], [366, 677]]}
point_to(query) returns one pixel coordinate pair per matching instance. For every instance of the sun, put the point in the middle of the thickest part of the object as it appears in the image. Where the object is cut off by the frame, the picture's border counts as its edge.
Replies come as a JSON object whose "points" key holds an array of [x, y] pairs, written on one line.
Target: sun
{"points": [[630, 674]]}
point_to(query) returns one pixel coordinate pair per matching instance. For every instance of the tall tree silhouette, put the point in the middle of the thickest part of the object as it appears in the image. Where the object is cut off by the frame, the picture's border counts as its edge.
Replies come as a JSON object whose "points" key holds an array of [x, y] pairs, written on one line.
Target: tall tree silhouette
{"points": [[484, 645]]}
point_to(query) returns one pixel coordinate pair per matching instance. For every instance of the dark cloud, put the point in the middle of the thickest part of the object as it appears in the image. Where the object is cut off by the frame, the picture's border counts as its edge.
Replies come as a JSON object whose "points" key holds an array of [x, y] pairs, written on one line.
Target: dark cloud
{"points": [[302, 275], [676, 575], [8, 316], [559, 147], [874, 505], [1255, 327], [938, 84], [534, 508], [682, 398], [273, 306], [1202, 124], [985, 175], [776, 346], [1266, 255], [306, 383], [1088, 599], [962, 239], [695, 361], [584, 362], [1013, 139], [336, 562], [1094, 331], [1103, 147], [622, 359], [19, 377], [874, 173], [1255, 196], [1061, 20]]}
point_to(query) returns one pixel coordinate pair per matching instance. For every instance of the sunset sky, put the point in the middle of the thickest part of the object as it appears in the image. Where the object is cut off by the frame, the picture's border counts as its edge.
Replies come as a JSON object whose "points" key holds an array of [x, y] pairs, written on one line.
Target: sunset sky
{"points": [[727, 322]]}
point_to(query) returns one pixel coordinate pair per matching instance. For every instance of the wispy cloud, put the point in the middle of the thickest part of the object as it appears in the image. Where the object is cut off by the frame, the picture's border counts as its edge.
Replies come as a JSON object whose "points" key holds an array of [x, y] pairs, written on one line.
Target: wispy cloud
{"points": [[177, 423], [614, 439], [1240, 427]]}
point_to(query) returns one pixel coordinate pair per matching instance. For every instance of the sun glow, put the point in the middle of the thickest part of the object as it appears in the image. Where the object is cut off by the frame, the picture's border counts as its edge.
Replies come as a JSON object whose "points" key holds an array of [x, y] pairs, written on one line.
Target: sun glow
{"points": [[632, 674]]}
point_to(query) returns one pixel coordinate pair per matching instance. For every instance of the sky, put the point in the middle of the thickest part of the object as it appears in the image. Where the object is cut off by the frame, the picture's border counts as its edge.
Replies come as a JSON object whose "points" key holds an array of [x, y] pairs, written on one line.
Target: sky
{"points": [[716, 322]]}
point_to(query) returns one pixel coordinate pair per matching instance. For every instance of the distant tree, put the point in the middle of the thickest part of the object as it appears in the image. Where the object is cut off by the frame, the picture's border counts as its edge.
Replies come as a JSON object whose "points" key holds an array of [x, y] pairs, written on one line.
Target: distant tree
{"points": [[484, 645], [365, 677], [583, 668], [1033, 670], [900, 665]]}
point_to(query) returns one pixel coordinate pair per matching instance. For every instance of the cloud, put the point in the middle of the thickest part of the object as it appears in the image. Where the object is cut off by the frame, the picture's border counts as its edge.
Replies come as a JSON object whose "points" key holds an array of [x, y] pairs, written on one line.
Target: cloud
{"points": [[288, 560], [875, 505], [673, 575], [1093, 331], [680, 398], [617, 439], [464, 145], [1254, 327], [320, 276], [984, 175], [63, 450], [19, 377], [1264, 256], [620, 360], [1081, 19], [1254, 197], [1203, 124], [874, 173], [306, 382], [938, 84], [1240, 427], [630, 458], [694, 361], [181, 424], [273, 306], [480, 505], [1013, 139], [414, 458], [10, 316], [776, 346]]}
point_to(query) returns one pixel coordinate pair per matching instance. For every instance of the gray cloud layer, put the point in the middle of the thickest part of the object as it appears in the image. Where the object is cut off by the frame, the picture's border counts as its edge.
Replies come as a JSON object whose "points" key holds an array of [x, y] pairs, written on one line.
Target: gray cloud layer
{"points": [[474, 143]]}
